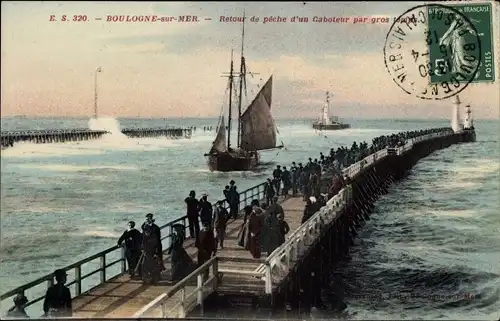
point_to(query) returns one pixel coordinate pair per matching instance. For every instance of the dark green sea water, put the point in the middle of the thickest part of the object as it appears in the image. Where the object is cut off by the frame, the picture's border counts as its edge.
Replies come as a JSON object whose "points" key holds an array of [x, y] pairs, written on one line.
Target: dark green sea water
{"points": [[435, 236]]}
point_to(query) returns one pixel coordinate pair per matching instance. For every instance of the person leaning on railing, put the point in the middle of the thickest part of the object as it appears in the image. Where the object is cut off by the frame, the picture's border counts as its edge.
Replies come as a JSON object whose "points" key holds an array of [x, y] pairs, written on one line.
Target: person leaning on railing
{"points": [[17, 311]]}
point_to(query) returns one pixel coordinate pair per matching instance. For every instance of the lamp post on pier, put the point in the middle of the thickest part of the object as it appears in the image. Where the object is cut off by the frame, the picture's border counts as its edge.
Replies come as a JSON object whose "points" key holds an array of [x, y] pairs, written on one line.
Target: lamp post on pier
{"points": [[98, 70]]}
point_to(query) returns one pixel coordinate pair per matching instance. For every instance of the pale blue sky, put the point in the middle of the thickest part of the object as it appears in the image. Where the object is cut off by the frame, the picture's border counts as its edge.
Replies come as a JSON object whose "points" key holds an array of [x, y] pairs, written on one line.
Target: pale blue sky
{"points": [[173, 69]]}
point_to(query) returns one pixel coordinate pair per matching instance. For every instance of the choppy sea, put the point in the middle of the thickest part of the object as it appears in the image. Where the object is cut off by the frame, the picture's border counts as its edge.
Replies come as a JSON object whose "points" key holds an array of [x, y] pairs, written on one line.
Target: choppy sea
{"points": [[430, 251]]}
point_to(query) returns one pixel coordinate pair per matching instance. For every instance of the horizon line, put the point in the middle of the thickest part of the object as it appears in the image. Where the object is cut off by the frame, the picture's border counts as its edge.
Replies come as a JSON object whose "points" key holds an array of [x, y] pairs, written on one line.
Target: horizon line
{"points": [[216, 117]]}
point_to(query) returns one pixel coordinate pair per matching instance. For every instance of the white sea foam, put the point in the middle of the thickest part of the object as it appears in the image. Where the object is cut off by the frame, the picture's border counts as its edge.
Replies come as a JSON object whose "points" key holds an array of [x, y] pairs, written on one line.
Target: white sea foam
{"points": [[108, 124], [101, 233], [455, 184], [129, 207], [454, 213], [110, 142]]}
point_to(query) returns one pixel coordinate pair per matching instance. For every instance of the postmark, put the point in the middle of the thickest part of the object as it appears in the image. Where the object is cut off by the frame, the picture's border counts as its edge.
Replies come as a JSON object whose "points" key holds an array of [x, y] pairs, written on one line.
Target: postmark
{"points": [[406, 51]]}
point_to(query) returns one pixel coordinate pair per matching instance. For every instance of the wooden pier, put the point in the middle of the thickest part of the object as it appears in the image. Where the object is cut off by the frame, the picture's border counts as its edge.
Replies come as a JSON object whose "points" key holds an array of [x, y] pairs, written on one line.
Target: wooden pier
{"points": [[9, 138], [233, 273]]}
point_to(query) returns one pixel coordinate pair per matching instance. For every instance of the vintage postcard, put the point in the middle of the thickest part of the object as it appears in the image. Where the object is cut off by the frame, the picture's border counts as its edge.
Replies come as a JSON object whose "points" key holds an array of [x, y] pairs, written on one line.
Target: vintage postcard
{"points": [[244, 160]]}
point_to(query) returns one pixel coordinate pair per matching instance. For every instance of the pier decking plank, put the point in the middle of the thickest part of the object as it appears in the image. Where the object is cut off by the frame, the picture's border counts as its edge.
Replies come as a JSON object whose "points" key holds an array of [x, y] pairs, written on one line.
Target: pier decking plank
{"points": [[121, 296]]}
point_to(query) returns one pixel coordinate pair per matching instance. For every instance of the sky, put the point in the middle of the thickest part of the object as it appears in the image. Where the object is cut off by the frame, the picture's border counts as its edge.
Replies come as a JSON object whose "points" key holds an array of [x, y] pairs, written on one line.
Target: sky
{"points": [[174, 69]]}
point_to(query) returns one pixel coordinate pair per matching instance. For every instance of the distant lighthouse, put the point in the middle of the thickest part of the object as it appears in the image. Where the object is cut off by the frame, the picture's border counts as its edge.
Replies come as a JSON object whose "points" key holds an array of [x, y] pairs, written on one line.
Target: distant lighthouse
{"points": [[455, 117], [468, 122]]}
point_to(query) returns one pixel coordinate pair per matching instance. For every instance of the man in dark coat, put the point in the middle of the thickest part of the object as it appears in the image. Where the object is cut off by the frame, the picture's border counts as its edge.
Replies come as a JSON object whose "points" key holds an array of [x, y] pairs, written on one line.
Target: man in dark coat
{"points": [[153, 234], [309, 211], [192, 214], [133, 244], [220, 222], [304, 182], [226, 193], [295, 174], [206, 246], [206, 210], [271, 235], [287, 180], [275, 207], [152, 250], [57, 301], [234, 200], [284, 228], [277, 179], [269, 191], [314, 182]]}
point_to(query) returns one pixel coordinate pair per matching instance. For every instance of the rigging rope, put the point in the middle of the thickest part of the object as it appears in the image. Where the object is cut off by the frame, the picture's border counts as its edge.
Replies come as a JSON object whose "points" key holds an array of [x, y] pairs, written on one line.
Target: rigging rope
{"points": [[222, 107]]}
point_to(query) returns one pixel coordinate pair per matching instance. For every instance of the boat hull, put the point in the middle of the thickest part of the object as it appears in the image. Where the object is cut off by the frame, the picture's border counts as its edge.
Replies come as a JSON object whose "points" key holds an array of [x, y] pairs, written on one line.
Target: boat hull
{"points": [[331, 126], [232, 161]]}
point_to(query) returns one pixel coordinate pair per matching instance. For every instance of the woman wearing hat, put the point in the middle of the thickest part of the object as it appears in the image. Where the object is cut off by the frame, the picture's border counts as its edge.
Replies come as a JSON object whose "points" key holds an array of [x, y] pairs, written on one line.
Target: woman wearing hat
{"points": [[17, 311]]}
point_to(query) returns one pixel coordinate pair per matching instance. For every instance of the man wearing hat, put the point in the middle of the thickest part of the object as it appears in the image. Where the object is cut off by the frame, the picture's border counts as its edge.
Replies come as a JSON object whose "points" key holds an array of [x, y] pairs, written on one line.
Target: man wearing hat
{"points": [[133, 242], [220, 222], [17, 311], [206, 245], [151, 240], [58, 297], [206, 210], [192, 214], [153, 230], [233, 199], [269, 191]]}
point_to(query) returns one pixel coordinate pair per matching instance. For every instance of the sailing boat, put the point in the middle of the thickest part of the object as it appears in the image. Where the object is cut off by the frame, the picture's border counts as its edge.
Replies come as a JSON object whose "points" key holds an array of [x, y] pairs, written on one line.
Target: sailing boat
{"points": [[256, 127], [327, 122]]}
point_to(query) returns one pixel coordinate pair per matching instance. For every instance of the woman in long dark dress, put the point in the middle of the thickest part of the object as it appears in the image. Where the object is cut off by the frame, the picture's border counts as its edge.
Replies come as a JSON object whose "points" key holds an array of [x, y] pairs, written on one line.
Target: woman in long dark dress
{"points": [[271, 235], [243, 234], [255, 229], [181, 262]]}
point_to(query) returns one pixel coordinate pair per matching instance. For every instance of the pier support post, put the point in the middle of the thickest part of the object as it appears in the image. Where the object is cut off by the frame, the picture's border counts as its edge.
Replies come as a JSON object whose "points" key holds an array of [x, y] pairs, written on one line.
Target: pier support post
{"points": [[103, 268], [78, 280]]}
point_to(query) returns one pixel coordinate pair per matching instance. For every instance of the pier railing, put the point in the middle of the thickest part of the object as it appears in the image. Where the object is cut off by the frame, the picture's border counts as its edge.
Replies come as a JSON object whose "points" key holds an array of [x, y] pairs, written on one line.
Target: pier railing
{"points": [[279, 263], [191, 291], [105, 265]]}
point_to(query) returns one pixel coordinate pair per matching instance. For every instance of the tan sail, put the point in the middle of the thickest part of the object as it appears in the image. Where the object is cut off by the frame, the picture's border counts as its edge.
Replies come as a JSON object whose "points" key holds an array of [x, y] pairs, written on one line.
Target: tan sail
{"points": [[219, 144], [258, 130]]}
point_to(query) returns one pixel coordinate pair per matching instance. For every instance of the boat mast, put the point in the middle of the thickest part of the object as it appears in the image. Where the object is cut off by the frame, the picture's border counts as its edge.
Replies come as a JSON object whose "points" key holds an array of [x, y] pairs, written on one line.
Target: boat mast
{"points": [[231, 76], [242, 79]]}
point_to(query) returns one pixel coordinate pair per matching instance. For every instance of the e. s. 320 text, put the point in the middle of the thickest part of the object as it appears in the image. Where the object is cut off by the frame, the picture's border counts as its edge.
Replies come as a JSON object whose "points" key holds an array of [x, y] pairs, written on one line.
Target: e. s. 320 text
{"points": [[75, 18]]}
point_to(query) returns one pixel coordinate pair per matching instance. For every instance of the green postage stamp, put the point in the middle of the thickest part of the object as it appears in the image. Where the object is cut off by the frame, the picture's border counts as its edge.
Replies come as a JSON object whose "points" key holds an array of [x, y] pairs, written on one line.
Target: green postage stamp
{"points": [[481, 16]]}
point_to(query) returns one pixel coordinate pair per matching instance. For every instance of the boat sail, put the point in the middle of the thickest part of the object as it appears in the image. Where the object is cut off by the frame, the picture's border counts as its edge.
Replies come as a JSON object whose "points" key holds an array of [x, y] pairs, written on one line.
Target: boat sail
{"points": [[219, 144], [256, 127], [258, 130]]}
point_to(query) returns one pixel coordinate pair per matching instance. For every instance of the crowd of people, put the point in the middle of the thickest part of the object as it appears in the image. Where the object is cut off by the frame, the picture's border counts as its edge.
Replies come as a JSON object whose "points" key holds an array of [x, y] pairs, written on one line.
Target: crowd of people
{"points": [[263, 228]]}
